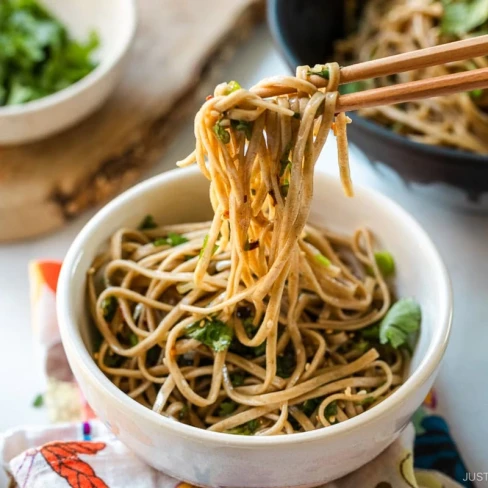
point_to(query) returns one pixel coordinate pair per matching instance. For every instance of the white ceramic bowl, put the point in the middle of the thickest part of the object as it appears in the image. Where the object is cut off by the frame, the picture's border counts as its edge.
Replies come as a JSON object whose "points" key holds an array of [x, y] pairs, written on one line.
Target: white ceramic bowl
{"points": [[115, 22], [223, 460]]}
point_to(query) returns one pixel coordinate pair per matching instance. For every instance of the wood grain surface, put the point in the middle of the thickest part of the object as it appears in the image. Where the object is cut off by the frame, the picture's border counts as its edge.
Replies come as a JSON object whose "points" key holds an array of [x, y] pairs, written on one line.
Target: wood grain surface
{"points": [[178, 47]]}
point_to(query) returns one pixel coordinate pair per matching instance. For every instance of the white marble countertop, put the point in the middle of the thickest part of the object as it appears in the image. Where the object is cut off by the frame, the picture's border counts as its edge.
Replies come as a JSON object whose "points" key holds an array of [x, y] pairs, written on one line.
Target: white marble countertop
{"points": [[461, 238]]}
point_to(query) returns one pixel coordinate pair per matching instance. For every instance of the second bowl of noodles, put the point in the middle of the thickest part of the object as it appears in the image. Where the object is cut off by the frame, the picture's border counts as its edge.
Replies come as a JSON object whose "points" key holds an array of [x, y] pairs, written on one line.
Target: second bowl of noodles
{"points": [[436, 146]]}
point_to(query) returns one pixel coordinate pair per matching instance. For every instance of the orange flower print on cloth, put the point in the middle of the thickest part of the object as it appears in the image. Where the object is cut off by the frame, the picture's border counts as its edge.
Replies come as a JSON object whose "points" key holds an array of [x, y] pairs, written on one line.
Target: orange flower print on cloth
{"points": [[63, 459]]}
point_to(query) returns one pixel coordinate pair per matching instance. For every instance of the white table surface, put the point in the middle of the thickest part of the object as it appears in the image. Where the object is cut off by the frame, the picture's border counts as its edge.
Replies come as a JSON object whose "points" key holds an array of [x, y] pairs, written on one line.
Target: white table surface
{"points": [[461, 238]]}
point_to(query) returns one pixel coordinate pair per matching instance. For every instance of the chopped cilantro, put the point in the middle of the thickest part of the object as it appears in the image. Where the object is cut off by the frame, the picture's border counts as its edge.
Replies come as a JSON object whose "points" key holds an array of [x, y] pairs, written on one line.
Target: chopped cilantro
{"points": [[227, 407], [109, 307], [243, 126], [371, 333], [330, 411], [147, 223], [461, 17], [133, 339], [205, 241], [478, 93], [38, 56], [353, 87], [309, 406], [221, 133], [172, 240], [38, 401], [400, 325], [237, 379], [285, 364], [249, 428], [212, 332], [323, 73], [285, 188]]}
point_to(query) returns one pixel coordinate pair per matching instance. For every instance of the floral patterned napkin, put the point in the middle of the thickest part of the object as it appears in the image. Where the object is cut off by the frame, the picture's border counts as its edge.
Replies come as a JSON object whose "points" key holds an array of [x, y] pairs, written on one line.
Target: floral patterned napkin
{"points": [[82, 453]]}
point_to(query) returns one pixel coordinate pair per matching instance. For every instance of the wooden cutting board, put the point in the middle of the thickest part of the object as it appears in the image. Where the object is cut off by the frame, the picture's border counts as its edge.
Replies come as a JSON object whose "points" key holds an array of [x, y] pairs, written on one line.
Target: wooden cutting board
{"points": [[179, 45]]}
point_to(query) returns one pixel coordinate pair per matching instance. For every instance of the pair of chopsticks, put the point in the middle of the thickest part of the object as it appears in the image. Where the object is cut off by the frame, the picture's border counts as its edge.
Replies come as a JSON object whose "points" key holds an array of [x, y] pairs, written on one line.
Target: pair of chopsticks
{"points": [[415, 90]]}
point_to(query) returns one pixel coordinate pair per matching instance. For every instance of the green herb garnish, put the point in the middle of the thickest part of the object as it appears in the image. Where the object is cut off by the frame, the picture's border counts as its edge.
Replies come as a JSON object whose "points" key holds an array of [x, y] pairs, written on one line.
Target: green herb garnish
{"points": [[242, 126], [366, 402], [237, 379], [353, 87], [205, 241], [212, 332], [401, 323], [285, 365], [37, 55], [227, 407], [371, 333], [109, 307], [309, 406], [172, 240], [385, 262], [133, 339], [330, 411], [323, 73], [284, 189], [322, 260], [38, 401], [249, 428], [222, 134], [147, 223], [461, 17], [478, 93]]}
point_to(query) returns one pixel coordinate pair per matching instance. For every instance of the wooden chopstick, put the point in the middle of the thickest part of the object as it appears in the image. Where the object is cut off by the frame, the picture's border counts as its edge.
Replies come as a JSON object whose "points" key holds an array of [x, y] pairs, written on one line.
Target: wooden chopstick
{"points": [[422, 58], [405, 92], [414, 90]]}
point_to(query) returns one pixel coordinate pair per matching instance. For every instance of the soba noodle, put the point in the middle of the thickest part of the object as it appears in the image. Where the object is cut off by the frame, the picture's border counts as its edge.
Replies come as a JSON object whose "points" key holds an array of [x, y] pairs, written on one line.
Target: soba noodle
{"points": [[255, 322], [391, 27]]}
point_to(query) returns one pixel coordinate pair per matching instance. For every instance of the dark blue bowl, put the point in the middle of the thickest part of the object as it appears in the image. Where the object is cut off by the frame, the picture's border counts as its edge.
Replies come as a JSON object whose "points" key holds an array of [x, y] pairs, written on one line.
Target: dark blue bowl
{"points": [[305, 32]]}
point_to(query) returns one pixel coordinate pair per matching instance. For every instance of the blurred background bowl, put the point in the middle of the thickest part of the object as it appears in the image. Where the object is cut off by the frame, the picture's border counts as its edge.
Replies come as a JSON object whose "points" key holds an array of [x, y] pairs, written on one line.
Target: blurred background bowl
{"points": [[305, 32], [114, 21]]}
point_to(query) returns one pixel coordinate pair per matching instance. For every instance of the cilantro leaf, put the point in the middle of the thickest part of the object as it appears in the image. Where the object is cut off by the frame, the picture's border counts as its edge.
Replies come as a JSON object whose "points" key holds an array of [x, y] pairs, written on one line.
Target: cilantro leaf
{"points": [[227, 408], [221, 133], [323, 73], [242, 126], [172, 240], [109, 307], [38, 401], [147, 223], [249, 428], [401, 323], [212, 332], [285, 364], [37, 55], [461, 17]]}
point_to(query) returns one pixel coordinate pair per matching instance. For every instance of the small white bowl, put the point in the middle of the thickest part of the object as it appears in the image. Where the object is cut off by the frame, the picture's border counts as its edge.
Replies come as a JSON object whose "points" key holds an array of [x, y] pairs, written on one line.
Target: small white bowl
{"points": [[115, 23], [216, 459]]}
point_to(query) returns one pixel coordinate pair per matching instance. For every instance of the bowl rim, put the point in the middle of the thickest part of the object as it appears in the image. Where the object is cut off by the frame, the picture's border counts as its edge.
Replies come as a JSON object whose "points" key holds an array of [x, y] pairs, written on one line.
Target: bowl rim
{"points": [[76, 349], [451, 155], [82, 85]]}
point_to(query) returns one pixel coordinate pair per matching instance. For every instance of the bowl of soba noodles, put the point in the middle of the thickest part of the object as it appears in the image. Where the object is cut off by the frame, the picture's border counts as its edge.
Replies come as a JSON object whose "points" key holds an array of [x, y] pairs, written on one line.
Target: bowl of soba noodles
{"points": [[437, 146], [246, 321]]}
